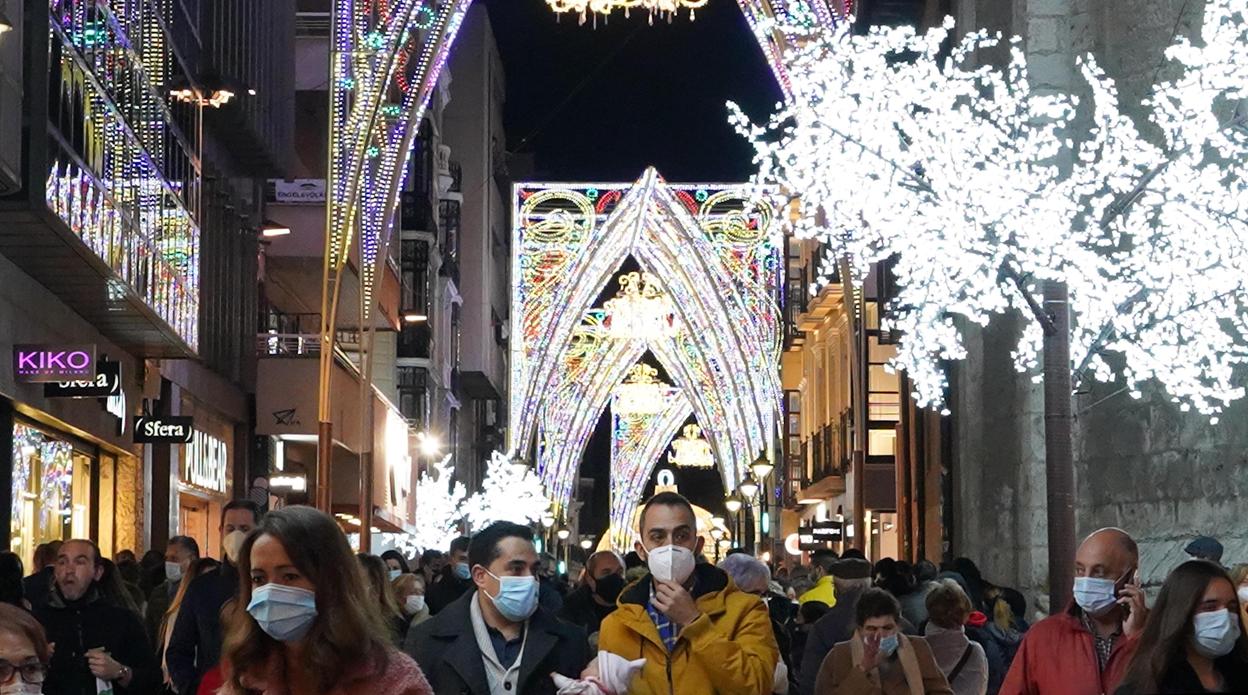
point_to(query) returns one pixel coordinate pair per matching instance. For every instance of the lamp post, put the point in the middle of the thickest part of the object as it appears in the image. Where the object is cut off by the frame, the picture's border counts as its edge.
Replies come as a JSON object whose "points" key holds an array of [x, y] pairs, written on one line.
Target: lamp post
{"points": [[563, 535], [748, 489], [761, 468], [733, 505], [717, 534]]}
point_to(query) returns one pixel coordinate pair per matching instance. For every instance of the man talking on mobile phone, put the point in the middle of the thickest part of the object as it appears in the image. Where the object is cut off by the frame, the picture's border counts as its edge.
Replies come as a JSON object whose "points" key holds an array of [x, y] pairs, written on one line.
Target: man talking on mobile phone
{"points": [[1086, 649]]}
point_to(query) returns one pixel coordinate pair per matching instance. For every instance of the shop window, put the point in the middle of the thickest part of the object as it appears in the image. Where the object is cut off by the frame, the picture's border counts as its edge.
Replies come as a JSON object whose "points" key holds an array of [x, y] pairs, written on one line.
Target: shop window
{"points": [[51, 491]]}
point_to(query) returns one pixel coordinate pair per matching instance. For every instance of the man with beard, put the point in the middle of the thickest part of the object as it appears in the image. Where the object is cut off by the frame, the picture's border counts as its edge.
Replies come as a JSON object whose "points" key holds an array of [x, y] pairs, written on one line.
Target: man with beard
{"points": [[96, 641], [595, 598]]}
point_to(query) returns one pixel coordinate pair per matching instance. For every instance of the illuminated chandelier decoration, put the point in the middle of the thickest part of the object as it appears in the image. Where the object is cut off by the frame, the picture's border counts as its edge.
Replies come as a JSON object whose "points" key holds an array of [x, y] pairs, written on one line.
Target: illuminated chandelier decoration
{"points": [[641, 310], [641, 393], [691, 450], [663, 8], [713, 246]]}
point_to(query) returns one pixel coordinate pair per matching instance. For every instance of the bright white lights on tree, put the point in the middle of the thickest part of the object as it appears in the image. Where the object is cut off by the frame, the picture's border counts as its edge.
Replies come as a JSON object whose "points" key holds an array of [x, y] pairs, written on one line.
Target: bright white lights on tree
{"points": [[982, 187], [439, 507], [509, 493]]}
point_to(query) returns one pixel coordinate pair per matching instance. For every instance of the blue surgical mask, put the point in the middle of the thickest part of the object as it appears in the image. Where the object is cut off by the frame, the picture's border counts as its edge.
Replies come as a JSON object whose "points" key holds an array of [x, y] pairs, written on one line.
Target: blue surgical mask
{"points": [[1095, 595], [517, 597], [888, 645], [395, 574], [285, 613], [1214, 633], [463, 570]]}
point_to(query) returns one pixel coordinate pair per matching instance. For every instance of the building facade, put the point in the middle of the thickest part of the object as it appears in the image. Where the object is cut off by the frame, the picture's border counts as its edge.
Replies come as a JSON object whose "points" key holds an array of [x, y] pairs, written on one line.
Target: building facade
{"points": [[129, 231]]}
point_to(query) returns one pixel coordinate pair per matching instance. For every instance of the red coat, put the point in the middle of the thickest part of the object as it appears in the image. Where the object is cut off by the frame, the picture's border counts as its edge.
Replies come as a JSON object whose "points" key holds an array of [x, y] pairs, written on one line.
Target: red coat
{"points": [[1058, 657], [401, 677]]}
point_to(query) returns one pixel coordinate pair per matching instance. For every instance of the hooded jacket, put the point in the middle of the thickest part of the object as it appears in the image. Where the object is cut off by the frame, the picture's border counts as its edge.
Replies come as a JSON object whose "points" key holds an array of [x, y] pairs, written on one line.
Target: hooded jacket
{"points": [[1058, 657], [88, 623], [728, 650]]}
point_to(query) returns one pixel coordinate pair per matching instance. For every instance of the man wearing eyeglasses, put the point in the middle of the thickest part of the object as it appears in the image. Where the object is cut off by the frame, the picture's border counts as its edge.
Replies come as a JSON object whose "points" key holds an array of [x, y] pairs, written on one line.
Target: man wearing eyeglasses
{"points": [[98, 645]]}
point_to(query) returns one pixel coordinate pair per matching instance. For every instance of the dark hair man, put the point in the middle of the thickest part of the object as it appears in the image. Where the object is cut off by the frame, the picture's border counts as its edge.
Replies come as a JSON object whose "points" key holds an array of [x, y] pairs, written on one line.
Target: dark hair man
{"points": [[595, 598], [850, 577], [195, 644], [455, 580], [711, 636], [496, 638], [38, 585], [95, 640]]}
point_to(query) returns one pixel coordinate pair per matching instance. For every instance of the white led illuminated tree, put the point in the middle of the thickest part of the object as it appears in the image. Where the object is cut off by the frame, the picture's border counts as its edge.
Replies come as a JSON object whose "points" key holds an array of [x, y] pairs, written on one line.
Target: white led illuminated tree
{"points": [[439, 508], [986, 192], [510, 492]]}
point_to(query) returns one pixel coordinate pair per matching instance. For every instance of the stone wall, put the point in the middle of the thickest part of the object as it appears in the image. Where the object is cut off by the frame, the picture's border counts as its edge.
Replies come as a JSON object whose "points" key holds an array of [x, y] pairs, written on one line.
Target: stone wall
{"points": [[1162, 475]]}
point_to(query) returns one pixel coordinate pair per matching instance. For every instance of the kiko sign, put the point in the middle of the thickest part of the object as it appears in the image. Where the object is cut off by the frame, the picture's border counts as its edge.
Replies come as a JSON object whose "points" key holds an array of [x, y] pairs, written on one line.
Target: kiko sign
{"points": [[33, 364]]}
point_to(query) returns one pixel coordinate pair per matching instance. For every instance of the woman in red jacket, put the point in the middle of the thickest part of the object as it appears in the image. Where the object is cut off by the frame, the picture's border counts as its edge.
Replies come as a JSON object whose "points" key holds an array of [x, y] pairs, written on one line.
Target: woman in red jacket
{"points": [[303, 623]]}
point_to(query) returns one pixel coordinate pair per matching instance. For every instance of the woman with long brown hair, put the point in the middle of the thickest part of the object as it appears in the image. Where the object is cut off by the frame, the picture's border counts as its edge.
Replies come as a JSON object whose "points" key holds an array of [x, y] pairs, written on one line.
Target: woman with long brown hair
{"points": [[198, 567], [1193, 641], [303, 622], [377, 576]]}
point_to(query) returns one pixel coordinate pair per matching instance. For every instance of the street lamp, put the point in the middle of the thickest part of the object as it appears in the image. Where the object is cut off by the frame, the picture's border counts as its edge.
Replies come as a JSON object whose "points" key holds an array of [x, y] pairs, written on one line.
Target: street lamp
{"points": [[563, 534], [586, 544], [748, 487], [761, 467], [733, 504]]}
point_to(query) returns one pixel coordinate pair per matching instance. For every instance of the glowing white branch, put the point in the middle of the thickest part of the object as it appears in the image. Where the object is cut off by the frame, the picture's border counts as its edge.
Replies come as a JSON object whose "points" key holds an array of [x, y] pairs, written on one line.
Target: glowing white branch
{"points": [[982, 187]]}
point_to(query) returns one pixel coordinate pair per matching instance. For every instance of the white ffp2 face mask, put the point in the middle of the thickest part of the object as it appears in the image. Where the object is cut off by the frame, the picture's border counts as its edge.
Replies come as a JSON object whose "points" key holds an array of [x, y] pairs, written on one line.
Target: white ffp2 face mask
{"points": [[671, 563]]}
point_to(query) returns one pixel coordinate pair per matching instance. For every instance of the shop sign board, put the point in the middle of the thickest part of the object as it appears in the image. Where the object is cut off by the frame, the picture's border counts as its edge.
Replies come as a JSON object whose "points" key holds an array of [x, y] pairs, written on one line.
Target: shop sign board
{"points": [[298, 191], [107, 382], [163, 429], [37, 364], [205, 463], [828, 531]]}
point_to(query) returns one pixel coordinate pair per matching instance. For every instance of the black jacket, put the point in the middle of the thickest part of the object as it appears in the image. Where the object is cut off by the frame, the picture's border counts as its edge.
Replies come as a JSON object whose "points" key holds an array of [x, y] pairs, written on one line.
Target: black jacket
{"points": [[195, 644], [76, 626], [37, 586], [581, 609], [447, 652], [836, 626], [1182, 679], [446, 590]]}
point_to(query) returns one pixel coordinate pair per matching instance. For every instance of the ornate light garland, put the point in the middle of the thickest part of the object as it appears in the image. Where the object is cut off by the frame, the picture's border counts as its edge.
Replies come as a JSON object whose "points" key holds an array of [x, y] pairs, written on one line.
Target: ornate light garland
{"points": [[714, 248]]}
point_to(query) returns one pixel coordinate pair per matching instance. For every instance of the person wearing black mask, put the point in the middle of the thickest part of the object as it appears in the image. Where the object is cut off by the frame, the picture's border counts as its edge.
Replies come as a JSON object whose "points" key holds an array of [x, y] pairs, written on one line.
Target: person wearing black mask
{"points": [[595, 598]]}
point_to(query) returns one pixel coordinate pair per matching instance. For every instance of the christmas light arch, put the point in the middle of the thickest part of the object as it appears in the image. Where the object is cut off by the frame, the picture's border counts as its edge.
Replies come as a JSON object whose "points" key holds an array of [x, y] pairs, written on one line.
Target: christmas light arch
{"points": [[718, 260]]}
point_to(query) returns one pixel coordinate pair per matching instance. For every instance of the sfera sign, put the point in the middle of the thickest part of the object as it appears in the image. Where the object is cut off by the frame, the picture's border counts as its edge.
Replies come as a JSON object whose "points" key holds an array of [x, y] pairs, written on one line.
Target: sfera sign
{"points": [[166, 429], [107, 382], [37, 364]]}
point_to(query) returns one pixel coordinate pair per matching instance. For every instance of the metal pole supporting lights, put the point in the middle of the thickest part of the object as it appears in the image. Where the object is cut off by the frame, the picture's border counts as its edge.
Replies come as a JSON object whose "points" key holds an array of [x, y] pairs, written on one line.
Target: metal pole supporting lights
{"points": [[762, 468], [733, 504]]}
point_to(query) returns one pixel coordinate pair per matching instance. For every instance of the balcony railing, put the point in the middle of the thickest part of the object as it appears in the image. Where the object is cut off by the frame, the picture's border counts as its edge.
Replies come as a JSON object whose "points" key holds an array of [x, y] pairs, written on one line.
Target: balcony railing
{"points": [[288, 344]]}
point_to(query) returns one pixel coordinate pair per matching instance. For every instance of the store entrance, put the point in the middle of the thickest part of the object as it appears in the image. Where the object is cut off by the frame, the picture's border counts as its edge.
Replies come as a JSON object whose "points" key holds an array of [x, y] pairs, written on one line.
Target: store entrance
{"points": [[198, 518]]}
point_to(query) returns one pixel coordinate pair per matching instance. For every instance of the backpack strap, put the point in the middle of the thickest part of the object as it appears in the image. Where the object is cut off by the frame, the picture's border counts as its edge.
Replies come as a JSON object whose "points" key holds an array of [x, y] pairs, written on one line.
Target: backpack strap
{"points": [[966, 656]]}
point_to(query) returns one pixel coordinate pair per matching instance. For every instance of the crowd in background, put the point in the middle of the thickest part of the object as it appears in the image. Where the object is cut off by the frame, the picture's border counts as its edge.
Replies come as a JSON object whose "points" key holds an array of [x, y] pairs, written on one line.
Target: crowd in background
{"points": [[287, 607]]}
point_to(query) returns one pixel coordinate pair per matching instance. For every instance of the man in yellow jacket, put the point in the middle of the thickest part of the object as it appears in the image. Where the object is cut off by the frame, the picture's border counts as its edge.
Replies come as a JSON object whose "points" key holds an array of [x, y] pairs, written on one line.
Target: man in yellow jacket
{"points": [[699, 633]]}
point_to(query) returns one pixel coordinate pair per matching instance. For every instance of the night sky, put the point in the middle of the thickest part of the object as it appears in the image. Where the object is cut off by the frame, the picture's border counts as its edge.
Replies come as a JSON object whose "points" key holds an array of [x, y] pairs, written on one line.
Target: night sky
{"points": [[602, 104]]}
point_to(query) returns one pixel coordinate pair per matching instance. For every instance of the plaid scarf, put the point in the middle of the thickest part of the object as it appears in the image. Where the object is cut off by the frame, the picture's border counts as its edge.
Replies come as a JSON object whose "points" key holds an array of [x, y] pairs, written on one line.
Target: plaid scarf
{"points": [[667, 631]]}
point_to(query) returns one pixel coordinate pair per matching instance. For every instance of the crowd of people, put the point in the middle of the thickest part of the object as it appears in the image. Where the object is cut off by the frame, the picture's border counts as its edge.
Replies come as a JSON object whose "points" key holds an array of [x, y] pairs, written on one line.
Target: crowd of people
{"points": [[288, 608]]}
